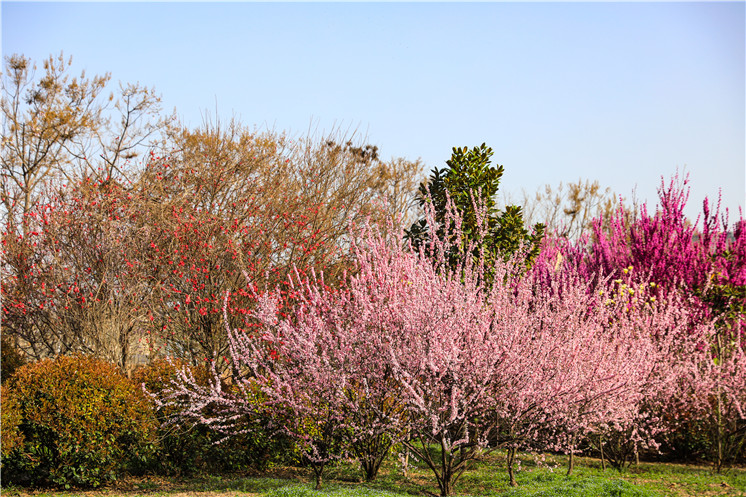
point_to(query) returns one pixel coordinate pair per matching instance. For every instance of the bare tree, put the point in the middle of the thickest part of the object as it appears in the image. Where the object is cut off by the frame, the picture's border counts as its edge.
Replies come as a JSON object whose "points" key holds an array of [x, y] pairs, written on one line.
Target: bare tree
{"points": [[134, 124], [569, 209], [58, 126], [41, 119]]}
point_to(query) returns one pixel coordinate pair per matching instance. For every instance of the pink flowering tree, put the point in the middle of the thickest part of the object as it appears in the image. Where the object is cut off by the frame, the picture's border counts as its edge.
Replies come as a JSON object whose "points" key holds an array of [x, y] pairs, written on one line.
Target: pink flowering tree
{"points": [[502, 364], [314, 371], [666, 248], [323, 363], [590, 358], [675, 350]]}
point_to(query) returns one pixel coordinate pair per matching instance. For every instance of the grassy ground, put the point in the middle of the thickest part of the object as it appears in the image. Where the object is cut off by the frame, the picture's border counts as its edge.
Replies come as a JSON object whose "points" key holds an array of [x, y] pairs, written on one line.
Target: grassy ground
{"points": [[487, 478]]}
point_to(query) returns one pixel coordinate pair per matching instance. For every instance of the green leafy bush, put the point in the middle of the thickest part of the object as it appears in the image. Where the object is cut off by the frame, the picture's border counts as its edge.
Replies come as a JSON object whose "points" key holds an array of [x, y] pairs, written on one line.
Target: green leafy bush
{"points": [[82, 422]]}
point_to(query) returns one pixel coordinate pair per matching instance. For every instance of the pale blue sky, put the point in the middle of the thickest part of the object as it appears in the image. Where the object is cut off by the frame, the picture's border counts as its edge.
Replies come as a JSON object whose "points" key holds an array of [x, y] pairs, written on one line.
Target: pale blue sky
{"points": [[619, 92]]}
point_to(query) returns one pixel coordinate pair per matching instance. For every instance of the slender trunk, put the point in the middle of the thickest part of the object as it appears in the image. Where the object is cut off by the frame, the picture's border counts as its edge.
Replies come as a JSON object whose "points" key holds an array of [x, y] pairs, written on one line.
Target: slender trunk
{"points": [[371, 465], [446, 462], [26, 210], [637, 456], [405, 463], [719, 415], [511, 475], [318, 470], [123, 346], [601, 445], [719, 463], [571, 461], [445, 487]]}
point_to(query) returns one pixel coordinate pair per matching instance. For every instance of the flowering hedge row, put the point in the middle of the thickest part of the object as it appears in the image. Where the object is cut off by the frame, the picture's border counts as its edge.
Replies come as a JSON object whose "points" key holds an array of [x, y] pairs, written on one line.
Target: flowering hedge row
{"points": [[616, 341]]}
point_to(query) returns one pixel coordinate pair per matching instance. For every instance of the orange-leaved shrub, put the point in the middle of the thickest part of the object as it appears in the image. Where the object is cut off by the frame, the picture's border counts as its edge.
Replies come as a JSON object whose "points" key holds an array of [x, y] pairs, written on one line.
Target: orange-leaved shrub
{"points": [[82, 422], [10, 419]]}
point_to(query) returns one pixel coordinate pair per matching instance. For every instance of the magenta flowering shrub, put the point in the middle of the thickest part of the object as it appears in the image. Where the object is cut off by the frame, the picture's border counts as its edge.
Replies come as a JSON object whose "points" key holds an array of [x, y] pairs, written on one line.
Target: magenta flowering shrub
{"points": [[667, 249]]}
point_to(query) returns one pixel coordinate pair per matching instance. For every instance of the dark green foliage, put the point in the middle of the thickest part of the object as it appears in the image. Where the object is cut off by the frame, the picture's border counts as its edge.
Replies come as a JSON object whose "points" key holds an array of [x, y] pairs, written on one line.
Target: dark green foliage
{"points": [[689, 442], [470, 178], [188, 449], [82, 422]]}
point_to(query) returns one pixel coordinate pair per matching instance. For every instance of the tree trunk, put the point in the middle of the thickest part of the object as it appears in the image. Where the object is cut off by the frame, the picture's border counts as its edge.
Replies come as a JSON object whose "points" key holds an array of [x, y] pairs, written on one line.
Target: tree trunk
{"points": [[318, 471], [719, 463], [511, 459], [370, 466], [719, 416], [603, 458], [445, 487], [446, 480]]}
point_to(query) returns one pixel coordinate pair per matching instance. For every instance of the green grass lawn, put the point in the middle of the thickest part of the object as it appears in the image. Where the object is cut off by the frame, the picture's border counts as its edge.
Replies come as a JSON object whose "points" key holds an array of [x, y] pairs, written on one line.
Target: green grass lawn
{"points": [[486, 478]]}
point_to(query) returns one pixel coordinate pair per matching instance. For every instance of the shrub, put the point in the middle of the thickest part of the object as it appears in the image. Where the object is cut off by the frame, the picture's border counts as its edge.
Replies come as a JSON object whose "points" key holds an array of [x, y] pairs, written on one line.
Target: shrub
{"points": [[10, 418], [81, 420], [187, 448]]}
